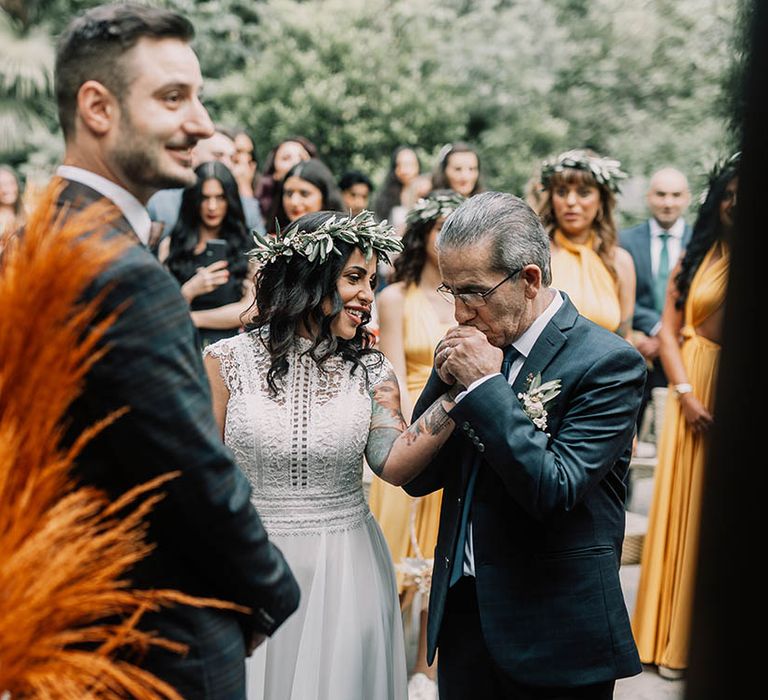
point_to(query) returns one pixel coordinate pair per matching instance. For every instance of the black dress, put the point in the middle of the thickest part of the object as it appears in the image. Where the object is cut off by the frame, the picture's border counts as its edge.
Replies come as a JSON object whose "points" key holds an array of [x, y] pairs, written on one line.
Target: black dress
{"points": [[228, 293]]}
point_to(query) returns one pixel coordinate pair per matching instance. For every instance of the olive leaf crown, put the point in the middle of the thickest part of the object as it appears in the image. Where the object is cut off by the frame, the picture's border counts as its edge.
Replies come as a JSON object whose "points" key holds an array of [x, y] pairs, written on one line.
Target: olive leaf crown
{"points": [[717, 170], [362, 231], [433, 207], [607, 171]]}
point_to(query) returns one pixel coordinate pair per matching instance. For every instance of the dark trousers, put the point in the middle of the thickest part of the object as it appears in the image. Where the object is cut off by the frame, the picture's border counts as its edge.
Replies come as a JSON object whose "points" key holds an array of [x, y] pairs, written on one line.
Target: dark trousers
{"points": [[465, 669]]}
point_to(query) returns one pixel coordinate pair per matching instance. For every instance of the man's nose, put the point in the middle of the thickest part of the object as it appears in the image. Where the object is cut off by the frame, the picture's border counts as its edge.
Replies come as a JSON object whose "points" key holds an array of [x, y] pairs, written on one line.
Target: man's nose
{"points": [[461, 312], [199, 121]]}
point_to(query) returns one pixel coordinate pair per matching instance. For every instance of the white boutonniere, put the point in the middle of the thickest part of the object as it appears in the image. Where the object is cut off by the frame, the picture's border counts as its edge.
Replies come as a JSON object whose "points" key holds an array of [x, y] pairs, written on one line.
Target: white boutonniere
{"points": [[536, 398]]}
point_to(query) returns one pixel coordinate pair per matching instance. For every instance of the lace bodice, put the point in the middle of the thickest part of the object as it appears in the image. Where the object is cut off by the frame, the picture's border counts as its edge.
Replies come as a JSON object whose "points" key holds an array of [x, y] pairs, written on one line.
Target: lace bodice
{"points": [[302, 450]]}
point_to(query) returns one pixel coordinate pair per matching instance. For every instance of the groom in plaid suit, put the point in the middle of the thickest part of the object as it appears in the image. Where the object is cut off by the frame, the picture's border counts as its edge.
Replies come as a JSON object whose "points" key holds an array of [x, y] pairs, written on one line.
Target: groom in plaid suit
{"points": [[127, 87]]}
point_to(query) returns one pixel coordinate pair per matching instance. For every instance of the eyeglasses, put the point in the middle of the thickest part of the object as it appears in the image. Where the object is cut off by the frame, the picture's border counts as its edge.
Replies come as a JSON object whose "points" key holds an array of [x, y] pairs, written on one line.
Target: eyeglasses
{"points": [[473, 300]]}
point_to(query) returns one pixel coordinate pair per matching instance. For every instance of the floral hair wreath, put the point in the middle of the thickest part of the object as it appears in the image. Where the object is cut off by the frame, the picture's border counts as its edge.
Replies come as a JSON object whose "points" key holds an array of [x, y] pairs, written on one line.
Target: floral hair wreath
{"points": [[433, 207], [606, 171], [362, 231], [730, 162]]}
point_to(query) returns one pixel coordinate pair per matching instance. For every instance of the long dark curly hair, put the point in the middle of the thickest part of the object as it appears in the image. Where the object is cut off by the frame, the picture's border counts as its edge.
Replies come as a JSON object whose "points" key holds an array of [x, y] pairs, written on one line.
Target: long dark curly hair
{"points": [[410, 263], [290, 293], [706, 230], [186, 233]]}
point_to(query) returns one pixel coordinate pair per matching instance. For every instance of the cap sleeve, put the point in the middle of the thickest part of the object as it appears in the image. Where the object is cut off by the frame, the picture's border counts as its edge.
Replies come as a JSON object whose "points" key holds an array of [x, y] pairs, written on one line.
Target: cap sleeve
{"points": [[225, 351], [379, 368]]}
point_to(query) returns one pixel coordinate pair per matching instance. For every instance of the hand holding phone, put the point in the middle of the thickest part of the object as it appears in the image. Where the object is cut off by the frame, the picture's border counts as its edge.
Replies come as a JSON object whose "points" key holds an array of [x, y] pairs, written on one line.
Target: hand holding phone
{"points": [[215, 250]]}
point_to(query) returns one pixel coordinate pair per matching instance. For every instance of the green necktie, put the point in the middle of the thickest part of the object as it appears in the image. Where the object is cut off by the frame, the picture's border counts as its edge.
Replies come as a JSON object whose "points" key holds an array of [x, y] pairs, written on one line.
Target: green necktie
{"points": [[662, 273]]}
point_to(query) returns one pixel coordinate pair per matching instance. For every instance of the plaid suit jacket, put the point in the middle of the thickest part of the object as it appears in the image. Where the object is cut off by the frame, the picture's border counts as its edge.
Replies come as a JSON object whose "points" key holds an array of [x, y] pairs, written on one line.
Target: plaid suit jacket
{"points": [[208, 538], [547, 512]]}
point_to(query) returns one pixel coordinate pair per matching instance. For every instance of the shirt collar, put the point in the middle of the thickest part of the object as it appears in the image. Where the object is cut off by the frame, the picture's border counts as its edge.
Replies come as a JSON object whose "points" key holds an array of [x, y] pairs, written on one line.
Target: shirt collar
{"points": [[676, 230], [132, 208], [524, 344]]}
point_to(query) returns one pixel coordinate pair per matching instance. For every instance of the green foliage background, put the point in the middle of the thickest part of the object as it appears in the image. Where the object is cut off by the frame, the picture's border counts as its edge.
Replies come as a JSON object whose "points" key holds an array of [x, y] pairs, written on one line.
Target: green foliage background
{"points": [[650, 82]]}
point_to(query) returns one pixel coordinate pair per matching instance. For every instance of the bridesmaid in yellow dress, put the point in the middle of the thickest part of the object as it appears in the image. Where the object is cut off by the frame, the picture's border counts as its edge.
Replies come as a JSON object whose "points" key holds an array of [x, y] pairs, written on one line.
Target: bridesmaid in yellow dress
{"points": [[413, 318], [579, 196], [690, 353]]}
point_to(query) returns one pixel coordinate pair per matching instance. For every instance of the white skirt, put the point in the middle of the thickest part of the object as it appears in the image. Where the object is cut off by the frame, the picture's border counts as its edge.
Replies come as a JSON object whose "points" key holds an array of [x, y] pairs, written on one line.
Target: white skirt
{"points": [[345, 642]]}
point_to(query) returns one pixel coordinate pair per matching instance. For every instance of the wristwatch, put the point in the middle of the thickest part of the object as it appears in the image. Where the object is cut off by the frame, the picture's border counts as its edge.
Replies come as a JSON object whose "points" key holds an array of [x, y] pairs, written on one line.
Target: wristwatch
{"points": [[683, 388]]}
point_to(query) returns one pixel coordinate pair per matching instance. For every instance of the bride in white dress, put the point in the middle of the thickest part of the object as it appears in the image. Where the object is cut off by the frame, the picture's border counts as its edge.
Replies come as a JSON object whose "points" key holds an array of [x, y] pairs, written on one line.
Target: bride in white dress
{"points": [[301, 399]]}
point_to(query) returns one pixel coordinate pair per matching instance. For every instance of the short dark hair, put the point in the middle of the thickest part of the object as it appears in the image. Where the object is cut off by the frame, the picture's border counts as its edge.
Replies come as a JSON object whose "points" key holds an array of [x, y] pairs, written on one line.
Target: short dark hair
{"points": [[93, 44], [354, 177]]}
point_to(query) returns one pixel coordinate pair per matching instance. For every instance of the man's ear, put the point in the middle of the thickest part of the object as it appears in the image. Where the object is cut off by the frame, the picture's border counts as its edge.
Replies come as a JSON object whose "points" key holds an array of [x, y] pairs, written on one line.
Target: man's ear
{"points": [[532, 276], [97, 107]]}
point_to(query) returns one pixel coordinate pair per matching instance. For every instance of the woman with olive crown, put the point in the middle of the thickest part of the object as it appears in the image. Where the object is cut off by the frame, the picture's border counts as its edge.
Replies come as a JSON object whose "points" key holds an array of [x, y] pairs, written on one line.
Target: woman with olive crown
{"points": [[579, 189], [302, 397]]}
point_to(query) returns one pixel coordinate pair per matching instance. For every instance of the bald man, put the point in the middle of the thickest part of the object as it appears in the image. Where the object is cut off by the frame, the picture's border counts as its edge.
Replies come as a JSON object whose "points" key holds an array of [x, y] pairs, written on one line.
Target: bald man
{"points": [[655, 246]]}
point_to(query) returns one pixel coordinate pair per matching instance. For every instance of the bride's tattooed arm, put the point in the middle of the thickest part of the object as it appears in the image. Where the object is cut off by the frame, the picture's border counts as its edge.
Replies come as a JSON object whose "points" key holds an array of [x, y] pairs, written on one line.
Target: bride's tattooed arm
{"points": [[395, 451]]}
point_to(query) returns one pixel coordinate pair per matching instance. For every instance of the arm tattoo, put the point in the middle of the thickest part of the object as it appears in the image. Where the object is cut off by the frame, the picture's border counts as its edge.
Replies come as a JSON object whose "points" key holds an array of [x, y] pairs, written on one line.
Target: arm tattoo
{"points": [[380, 443], [388, 425], [387, 422], [436, 418]]}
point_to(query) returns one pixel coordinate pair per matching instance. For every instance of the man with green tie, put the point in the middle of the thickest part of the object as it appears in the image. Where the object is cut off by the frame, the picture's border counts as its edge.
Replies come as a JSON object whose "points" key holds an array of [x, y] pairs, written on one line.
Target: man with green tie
{"points": [[655, 246]]}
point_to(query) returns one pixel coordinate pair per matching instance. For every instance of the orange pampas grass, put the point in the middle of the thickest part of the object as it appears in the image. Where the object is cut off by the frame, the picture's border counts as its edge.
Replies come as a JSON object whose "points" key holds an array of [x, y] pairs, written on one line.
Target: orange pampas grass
{"points": [[64, 551]]}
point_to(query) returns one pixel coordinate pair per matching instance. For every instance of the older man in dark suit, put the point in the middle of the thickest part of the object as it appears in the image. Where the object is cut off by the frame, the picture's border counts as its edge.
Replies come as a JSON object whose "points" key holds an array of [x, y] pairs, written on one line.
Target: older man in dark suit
{"points": [[655, 246], [526, 600], [127, 84]]}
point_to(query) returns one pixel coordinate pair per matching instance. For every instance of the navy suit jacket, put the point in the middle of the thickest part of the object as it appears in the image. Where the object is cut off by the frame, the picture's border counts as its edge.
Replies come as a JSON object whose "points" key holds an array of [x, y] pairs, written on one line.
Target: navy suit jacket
{"points": [[208, 538], [637, 242], [547, 512]]}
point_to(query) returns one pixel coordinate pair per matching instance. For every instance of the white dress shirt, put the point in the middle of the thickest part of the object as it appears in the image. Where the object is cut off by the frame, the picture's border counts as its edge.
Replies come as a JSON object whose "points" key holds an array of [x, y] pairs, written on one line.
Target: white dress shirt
{"points": [[524, 344], [133, 210]]}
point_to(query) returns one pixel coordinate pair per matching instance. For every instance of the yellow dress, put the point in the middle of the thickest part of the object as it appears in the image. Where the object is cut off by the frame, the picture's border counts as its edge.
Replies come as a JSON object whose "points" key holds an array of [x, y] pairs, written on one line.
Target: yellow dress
{"points": [[668, 569], [392, 507], [578, 271]]}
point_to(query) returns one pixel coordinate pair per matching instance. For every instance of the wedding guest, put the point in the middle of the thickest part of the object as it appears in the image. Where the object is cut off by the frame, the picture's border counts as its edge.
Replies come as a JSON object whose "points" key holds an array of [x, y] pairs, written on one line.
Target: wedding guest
{"points": [[356, 188], [11, 204], [128, 95], [458, 169], [277, 163], [245, 166], [690, 335], [404, 166], [301, 398], [218, 291], [526, 599], [413, 317], [655, 247], [587, 263], [309, 186]]}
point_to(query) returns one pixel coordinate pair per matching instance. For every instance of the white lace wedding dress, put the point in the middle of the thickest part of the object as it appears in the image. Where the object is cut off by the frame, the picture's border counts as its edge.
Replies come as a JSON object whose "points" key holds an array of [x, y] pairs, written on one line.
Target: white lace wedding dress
{"points": [[302, 451]]}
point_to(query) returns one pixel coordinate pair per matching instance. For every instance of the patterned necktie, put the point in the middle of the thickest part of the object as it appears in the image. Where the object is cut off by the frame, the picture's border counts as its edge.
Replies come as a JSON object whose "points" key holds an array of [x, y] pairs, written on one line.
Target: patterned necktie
{"points": [[662, 273], [457, 570]]}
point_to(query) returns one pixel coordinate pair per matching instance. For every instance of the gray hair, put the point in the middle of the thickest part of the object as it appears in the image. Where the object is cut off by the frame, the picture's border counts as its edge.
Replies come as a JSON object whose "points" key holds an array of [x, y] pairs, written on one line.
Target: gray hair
{"points": [[514, 229]]}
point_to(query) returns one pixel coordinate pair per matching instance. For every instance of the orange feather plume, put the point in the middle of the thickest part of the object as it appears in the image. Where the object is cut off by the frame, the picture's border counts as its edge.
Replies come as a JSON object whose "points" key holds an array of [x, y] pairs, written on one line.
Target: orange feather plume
{"points": [[65, 550]]}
